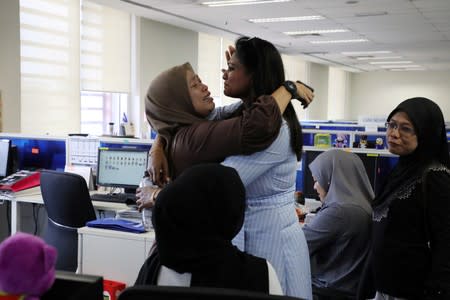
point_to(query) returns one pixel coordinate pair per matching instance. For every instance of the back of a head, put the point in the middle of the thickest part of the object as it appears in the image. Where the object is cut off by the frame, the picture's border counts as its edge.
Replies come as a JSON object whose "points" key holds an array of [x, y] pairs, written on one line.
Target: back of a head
{"points": [[202, 209], [263, 60]]}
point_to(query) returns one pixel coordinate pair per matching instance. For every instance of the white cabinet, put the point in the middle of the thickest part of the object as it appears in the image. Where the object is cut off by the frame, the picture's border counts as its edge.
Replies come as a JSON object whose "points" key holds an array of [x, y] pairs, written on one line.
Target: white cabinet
{"points": [[115, 255]]}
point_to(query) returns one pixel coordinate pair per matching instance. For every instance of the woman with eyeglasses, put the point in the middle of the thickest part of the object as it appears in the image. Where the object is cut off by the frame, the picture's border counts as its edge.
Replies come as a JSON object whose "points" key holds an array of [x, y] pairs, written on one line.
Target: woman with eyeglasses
{"points": [[410, 253], [271, 228]]}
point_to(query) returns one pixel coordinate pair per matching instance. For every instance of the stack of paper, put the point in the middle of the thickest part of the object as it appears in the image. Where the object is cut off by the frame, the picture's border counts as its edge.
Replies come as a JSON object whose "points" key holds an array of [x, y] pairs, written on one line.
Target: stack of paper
{"points": [[130, 213]]}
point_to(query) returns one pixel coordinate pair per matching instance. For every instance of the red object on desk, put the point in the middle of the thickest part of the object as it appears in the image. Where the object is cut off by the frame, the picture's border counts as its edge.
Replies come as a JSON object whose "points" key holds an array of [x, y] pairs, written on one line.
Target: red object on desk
{"points": [[21, 180], [112, 289]]}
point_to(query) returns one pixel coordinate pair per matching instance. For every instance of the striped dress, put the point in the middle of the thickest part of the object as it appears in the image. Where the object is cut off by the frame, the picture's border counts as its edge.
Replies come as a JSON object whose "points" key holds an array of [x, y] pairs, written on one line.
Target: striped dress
{"points": [[271, 229]]}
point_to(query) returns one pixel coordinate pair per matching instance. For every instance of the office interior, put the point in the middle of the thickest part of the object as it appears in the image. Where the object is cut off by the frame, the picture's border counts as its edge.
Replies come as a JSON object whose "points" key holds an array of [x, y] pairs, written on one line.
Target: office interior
{"points": [[340, 94]]}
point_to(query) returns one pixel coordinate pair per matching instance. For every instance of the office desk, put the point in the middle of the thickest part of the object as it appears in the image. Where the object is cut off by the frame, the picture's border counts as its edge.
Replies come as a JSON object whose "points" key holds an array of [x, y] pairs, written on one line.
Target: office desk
{"points": [[37, 198], [115, 255]]}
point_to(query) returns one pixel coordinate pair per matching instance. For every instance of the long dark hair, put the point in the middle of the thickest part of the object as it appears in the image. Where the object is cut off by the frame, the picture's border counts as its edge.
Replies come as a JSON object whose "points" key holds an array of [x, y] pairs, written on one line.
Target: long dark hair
{"points": [[263, 61]]}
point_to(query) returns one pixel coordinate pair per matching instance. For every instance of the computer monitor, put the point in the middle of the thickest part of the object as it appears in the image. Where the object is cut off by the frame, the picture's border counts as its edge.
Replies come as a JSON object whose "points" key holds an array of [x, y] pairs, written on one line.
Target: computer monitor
{"points": [[308, 186], [369, 162], [5, 157], [121, 167], [39, 153], [72, 286]]}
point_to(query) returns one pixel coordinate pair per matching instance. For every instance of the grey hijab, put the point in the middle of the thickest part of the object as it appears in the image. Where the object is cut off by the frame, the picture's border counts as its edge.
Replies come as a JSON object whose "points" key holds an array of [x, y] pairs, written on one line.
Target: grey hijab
{"points": [[344, 178]]}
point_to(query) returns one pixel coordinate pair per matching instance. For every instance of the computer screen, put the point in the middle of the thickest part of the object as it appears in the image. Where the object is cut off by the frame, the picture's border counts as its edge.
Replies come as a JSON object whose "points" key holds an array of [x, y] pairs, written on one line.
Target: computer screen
{"points": [[5, 159], [308, 185], [369, 161], [71, 286], [121, 167], [35, 153]]}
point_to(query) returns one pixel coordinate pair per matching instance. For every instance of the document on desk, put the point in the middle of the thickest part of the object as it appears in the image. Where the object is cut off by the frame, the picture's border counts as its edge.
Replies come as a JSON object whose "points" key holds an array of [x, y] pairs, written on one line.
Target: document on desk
{"points": [[82, 150], [84, 171]]}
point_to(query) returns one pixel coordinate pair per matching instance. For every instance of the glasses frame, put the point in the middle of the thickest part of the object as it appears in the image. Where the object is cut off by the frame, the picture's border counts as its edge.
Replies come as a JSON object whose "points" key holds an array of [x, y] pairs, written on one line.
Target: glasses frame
{"points": [[403, 130]]}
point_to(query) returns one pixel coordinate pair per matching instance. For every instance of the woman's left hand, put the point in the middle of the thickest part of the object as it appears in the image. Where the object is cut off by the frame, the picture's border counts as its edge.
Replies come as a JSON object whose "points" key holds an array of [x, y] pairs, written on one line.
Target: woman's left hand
{"points": [[145, 197]]}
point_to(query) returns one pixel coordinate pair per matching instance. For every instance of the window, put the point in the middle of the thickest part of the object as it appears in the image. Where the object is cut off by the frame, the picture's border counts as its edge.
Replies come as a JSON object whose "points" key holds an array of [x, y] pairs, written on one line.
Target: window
{"points": [[49, 53], [76, 90], [98, 109], [105, 67]]}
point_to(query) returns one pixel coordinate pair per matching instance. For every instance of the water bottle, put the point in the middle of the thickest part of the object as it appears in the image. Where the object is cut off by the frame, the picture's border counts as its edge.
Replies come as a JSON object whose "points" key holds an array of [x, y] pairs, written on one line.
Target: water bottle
{"points": [[146, 212]]}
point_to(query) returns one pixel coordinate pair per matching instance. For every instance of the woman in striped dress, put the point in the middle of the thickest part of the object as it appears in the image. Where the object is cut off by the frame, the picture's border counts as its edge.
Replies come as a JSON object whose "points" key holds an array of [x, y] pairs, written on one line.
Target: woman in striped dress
{"points": [[271, 228]]}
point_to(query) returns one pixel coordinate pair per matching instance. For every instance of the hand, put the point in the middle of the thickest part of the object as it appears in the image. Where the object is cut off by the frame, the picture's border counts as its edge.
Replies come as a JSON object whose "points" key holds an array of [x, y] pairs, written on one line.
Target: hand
{"points": [[144, 196], [228, 54], [305, 92], [158, 168]]}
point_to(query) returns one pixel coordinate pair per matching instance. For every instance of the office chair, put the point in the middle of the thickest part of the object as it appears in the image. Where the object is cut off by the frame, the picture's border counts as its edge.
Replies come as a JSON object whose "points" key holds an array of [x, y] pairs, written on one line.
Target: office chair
{"points": [[153, 292], [69, 206], [331, 294]]}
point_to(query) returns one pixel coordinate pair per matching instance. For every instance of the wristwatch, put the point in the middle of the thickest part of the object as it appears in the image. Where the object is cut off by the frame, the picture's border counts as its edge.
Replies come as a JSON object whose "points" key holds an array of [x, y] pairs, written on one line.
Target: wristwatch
{"points": [[291, 88]]}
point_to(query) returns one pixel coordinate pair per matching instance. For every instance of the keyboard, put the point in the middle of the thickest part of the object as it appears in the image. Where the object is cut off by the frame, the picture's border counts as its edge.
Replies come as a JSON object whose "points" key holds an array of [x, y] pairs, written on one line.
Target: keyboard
{"points": [[116, 198]]}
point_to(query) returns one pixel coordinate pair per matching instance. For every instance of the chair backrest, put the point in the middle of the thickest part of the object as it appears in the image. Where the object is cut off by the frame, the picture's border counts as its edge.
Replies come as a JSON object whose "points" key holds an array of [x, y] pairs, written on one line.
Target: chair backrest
{"points": [[193, 293], [66, 198]]}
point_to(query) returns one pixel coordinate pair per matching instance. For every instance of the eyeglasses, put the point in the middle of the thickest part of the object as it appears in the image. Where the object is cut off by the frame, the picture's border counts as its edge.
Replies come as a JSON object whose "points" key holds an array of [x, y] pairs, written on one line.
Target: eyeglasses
{"points": [[402, 129]]}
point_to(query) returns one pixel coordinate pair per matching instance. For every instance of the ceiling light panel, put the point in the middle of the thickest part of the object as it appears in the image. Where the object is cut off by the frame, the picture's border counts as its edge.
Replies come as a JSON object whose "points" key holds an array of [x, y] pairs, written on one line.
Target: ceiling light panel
{"points": [[309, 32], [240, 2], [398, 67], [351, 53], [339, 41], [390, 62], [286, 19], [377, 57]]}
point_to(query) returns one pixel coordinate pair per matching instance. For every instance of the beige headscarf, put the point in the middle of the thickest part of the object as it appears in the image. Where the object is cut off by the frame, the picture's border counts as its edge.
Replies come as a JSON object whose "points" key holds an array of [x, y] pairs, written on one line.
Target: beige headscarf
{"points": [[168, 105]]}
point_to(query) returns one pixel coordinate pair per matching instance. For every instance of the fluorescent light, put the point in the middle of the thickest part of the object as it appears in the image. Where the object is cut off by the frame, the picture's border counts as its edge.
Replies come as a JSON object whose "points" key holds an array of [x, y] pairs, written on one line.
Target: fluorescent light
{"points": [[339, 41], [240, 2], [307, 32], [378, 57], [398, 67], [390, 62], [409, 69], [371, 14], [286, 19], [350, 53]]}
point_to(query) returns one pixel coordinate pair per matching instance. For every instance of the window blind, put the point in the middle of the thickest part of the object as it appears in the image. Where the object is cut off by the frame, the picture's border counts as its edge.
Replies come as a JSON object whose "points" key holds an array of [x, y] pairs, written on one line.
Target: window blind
{"points": [[49, 50], [105, 48]]}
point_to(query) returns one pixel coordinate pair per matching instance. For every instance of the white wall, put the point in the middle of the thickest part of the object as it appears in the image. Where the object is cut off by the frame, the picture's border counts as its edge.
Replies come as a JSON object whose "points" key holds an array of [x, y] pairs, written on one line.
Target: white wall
{"points": [[318, 109], [10, 64], [338, 93], [9, 80], [377, 93], [163, 46]]}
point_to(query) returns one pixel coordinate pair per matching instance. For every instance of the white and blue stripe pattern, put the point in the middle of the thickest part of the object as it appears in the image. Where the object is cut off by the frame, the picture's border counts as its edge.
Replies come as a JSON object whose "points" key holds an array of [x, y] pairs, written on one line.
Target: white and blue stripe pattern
{"points": [[271, 229]]}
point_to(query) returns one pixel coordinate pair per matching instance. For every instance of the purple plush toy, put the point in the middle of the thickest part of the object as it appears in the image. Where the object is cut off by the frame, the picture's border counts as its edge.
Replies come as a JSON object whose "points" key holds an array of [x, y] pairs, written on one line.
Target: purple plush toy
{"points": [[27, 266]]}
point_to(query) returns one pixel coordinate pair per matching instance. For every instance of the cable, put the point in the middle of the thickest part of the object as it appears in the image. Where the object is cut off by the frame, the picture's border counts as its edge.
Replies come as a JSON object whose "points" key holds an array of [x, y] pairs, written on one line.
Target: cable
{"points": [[36, 218]]}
